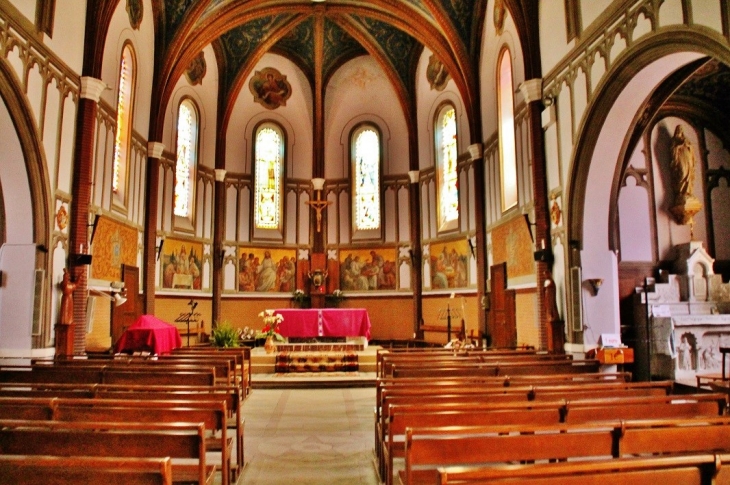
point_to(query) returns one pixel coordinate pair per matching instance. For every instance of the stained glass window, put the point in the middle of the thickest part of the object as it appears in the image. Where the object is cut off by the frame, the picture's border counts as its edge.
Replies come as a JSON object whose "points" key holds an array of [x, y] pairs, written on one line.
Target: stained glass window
{"points": [[507, 150], [268, 170], [448, 176], [124, 120], [367, 178], [187, 154]]}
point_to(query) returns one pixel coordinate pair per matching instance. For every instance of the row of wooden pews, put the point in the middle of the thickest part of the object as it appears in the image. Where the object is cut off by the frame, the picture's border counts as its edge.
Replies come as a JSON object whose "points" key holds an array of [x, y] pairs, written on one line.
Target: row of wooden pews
{"points": [[126, 415], [440, 418]]}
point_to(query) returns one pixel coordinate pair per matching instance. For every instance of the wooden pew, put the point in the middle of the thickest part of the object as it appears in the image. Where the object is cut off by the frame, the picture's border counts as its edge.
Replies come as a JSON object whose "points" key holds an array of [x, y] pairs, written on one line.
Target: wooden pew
{"points": [[201, 376], [211, 413], [388, 360], [584, 411], [692, 469], [242, 354], [428, 448], [44, 470], [479, 393], [177, 395], [126, 440], [498, 369]]}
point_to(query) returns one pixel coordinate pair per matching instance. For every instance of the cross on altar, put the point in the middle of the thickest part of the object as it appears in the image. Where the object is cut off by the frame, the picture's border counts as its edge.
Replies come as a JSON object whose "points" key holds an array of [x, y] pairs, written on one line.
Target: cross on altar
{"points": [[319, 205]]}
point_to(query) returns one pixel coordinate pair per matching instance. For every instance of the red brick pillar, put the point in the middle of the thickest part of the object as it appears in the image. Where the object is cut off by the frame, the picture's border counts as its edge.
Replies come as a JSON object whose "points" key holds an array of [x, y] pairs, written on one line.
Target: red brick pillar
{"points": [[91, 89], [532, 92]]}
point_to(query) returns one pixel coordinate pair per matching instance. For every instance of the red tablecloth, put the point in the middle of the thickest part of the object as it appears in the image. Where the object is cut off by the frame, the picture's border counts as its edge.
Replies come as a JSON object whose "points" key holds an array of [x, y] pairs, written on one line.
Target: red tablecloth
{"points": [[149, 334], [325, 322]]}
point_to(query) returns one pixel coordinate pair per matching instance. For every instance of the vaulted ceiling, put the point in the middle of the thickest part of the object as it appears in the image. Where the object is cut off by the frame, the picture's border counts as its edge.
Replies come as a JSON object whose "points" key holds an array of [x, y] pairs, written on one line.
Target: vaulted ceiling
{"points": [[319, 36]]}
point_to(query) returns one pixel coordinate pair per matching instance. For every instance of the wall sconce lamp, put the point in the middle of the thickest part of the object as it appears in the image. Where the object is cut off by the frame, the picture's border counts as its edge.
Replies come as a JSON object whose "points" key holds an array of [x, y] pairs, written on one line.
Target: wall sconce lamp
{"points": [[159, 247], [115, 296], [595, 284]]}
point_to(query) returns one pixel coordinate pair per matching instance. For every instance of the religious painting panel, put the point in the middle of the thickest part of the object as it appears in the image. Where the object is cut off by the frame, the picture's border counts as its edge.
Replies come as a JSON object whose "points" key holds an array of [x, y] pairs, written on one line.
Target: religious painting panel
{"points": [[449, 264], [266, 269], [368, 269], [182, 263], [512, 244], [270, 88], [114, 244]]}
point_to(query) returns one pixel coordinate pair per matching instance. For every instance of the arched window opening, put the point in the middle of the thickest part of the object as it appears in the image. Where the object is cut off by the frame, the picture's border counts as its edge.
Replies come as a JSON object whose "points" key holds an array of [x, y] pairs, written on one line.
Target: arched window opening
{"points": [[366, 170], [448, 178], [123, 135], [269, 169], [187, 158], [507, 150]]}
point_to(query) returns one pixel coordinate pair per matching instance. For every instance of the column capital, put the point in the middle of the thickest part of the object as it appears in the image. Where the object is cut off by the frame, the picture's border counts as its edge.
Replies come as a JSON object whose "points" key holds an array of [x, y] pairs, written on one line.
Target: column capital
{"points": [[220, 174], [155, 149], [475, 151], [413, 176], [91, 88], [532, 90]]}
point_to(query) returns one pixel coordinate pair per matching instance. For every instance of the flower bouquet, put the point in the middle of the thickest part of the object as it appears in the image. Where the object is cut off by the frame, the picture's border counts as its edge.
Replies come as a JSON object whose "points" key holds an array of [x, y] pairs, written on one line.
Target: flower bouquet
{"points": [[271, 326]]}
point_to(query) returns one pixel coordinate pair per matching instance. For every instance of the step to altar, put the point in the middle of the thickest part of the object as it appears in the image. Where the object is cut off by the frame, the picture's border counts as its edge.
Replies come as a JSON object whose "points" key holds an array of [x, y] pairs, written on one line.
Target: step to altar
{"points": [[263, 363], [320, 347]]}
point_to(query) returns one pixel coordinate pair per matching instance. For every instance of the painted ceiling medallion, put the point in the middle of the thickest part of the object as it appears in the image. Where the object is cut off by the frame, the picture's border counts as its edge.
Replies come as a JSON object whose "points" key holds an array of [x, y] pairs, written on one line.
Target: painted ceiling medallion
{"points": [[196, 70], [270, 88], [135, 10], [500, 13], [436, 73], [62, 218]]}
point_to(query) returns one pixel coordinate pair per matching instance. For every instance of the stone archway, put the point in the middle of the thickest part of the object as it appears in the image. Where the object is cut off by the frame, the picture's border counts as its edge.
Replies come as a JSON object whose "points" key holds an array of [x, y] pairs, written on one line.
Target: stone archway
{"points": [[601, 144], [26, 216]]}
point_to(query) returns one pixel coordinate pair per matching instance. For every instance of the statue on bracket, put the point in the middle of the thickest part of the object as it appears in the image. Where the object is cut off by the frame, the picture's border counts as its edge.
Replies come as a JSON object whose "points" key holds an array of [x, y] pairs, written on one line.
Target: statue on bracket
{"points": [[682, 166]]}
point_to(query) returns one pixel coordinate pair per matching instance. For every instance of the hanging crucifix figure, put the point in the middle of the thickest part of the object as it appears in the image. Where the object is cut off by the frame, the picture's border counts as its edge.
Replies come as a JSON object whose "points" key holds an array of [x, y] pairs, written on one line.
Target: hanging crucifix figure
{"points": [[318, 204]]}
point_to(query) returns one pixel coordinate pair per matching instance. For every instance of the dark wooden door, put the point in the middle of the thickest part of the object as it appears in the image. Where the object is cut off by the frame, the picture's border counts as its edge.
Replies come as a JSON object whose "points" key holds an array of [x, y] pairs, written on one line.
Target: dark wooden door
{"points": [[502, 309], [127, 313]]}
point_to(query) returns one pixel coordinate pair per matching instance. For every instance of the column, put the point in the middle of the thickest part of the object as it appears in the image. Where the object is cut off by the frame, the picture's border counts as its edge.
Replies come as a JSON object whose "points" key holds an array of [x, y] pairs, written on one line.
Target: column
{"points": [[149, 250]]}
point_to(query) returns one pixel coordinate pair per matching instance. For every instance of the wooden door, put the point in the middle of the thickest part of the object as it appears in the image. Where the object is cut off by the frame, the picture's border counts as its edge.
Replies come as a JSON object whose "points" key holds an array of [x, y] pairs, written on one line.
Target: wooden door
{"points": [[502, 310], [127, 313]]}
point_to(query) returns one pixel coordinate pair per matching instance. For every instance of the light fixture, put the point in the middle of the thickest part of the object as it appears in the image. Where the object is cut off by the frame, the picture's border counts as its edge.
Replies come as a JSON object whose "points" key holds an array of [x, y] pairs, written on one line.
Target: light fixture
{"points": [[595, 284], [116, 296]]}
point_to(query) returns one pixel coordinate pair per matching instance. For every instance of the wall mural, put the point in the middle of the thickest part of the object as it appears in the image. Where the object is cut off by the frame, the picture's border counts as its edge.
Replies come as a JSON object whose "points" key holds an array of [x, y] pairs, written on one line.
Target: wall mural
{"points": [[512, 243], [267, 269], [182, 264], [368, 269], [114, 244], [449, 264]]}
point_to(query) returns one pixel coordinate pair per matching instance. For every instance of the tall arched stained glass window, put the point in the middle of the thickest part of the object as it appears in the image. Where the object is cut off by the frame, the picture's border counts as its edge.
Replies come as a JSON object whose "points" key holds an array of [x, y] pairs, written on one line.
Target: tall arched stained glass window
{"points": [[269, 169], [448, 178], [366, 171], [187, 157], [507, 150], [123, 136]]}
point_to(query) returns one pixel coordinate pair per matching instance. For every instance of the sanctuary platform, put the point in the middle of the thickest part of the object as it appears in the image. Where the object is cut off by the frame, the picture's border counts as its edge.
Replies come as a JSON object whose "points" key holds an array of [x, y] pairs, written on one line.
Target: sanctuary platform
{"points": [[314, 365]]}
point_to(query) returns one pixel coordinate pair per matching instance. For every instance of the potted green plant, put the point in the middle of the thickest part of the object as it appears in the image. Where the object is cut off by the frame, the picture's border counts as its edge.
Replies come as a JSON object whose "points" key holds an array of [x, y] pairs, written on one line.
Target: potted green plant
{"points": [[224, 335], [334, 300]]}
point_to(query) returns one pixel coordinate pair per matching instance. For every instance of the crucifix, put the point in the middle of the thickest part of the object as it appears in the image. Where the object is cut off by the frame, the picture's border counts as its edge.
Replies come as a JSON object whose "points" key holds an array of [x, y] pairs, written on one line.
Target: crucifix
{"points": [[318, 204]]}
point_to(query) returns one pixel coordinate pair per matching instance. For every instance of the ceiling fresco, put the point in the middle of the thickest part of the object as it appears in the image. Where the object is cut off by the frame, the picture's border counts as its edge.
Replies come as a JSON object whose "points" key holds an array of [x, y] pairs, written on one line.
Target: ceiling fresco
{"points": [[319, 37]]}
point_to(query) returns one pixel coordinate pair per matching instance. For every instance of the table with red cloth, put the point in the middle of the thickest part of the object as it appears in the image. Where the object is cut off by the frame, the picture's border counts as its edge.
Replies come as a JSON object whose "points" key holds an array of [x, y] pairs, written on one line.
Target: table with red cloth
{"points": [[325, 322], [149, 334]]}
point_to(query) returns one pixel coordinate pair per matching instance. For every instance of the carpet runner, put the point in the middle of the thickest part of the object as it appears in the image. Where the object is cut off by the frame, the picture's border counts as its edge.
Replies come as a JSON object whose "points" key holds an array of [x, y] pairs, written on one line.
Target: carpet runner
{"points": [[289, 362]]}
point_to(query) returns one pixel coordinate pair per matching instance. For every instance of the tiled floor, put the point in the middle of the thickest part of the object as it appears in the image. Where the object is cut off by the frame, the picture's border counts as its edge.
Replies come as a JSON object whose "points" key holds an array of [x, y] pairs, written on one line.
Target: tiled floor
{"points": [[312, 436]]}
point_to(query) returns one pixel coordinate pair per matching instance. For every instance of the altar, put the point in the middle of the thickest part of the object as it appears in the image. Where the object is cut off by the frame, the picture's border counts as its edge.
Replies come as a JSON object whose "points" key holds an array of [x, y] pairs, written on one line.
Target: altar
{"points": [[325, 322]]}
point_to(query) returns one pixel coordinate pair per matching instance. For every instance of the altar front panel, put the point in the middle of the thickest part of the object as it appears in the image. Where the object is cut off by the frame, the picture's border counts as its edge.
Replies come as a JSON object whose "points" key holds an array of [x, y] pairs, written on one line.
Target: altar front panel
{"points": [[325, 322]]}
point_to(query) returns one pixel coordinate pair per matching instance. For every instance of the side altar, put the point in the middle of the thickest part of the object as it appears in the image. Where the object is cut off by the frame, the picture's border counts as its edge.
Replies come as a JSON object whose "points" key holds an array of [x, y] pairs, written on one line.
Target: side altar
{"points": [[687, 315]]}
